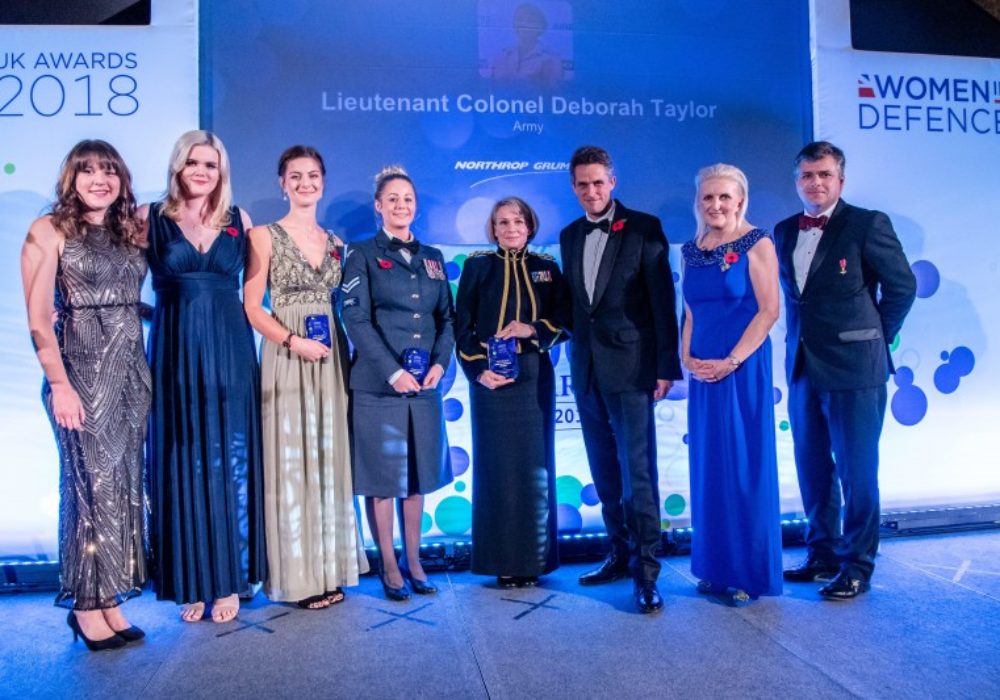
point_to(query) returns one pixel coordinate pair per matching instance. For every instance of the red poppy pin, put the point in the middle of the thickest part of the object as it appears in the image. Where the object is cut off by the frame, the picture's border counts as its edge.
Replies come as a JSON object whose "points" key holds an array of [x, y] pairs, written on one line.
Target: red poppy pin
{"points": [[618, 225], [232, 231], [730, 258], [335, 254], [843, 266], [384, 264]]}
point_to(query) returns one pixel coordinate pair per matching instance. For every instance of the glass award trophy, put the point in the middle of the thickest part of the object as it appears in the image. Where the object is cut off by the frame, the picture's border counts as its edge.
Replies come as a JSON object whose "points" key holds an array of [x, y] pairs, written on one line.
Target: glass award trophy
{"points": [[502, 355], [318, 328], [417, 362]]}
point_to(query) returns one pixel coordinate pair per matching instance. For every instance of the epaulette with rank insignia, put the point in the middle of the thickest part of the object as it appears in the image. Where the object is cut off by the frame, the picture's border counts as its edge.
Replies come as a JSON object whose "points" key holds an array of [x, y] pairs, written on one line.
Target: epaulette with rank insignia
{"points": [[479, 253], [543, 256]]}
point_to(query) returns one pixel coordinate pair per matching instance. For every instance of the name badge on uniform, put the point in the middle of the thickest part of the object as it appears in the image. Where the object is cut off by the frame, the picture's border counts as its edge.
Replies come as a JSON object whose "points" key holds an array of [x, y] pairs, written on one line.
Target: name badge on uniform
{"points": [[541, 276], [434, 270]]}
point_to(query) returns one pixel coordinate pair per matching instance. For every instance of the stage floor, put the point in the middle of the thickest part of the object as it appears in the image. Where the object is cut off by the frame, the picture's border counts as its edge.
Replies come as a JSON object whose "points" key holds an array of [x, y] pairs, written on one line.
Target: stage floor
{"points": [[930, 627]]}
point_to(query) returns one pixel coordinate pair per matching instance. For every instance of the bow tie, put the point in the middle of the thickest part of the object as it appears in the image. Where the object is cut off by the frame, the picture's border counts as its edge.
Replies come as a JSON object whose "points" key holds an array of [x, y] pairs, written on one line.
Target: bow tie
{"points": [[411, 245], [807, 222], [602, 225]]}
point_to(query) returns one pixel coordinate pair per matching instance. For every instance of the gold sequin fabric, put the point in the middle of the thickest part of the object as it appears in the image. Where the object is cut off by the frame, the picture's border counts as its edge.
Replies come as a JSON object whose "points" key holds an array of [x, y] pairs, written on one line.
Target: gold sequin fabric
{"points": [[101, 509], [293, 280]]}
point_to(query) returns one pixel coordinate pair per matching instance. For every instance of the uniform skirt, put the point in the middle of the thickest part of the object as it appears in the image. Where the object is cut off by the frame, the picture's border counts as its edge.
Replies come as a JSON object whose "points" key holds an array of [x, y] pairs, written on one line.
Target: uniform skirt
{"points": [[400, 445]]}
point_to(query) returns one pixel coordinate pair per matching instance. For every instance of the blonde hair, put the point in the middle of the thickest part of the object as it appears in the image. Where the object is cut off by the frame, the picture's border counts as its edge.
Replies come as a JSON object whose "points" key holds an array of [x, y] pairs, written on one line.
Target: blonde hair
{"points": [[383, 177], [220, 200], [721, 171], [389, 173]]}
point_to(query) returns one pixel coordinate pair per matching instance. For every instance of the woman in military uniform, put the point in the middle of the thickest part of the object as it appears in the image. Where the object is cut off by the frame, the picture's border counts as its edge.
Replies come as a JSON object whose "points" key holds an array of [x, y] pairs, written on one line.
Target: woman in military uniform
{"points": [[511, 293], [398, 311]]}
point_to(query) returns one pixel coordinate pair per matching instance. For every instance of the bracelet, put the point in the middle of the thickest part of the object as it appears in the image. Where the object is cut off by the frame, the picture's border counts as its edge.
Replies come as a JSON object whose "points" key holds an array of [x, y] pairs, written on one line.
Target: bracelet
{"points": [[734, 361], [287, 342]]}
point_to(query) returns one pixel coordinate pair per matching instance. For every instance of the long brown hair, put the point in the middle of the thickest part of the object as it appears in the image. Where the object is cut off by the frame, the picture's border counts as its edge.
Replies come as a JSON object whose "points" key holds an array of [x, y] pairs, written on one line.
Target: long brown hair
{"points": [[69, 209]]}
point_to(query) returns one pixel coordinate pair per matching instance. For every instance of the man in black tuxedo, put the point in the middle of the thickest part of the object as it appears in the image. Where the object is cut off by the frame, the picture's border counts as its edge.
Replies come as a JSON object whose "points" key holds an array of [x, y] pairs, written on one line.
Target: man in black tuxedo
{"points": [[847, 288], [623, 359]]}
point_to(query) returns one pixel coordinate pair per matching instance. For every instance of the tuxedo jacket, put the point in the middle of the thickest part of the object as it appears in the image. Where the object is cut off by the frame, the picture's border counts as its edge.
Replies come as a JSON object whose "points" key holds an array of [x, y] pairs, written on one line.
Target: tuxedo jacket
{"points": [[626, 338], [857, 293], [389, 305]]}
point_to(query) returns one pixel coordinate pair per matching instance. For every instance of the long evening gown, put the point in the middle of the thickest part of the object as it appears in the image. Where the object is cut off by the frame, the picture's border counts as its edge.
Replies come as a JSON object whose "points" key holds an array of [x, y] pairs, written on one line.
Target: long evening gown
{"points": [[313, 542], [101, 520], [206, 484], [736, 540]]}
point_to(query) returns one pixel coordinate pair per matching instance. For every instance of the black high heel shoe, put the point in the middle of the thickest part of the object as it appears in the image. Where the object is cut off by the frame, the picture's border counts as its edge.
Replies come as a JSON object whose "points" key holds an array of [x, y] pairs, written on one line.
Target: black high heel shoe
{"points": [[113, 642], [132, 634], [419, 587], [391, 592]]}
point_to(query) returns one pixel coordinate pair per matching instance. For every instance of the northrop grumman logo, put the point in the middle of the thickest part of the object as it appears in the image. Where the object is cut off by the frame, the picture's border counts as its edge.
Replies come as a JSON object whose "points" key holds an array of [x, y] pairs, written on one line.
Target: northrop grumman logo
{"points": [[928, 104]]}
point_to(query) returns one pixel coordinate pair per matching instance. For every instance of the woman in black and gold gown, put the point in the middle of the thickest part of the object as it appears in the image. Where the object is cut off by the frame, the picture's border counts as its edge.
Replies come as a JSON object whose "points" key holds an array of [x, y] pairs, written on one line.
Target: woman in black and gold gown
{"points": [[512, 293], [85, 259]]}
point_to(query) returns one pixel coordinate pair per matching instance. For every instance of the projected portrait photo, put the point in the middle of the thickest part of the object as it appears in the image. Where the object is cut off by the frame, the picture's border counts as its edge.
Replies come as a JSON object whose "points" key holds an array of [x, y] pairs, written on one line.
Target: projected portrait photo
{"points": [[526, 43]]}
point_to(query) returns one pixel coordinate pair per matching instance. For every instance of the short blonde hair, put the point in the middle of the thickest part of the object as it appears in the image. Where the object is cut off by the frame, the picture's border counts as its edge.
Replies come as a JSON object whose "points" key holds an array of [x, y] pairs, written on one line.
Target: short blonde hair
{"points": [[720, 171], [221, 199]]}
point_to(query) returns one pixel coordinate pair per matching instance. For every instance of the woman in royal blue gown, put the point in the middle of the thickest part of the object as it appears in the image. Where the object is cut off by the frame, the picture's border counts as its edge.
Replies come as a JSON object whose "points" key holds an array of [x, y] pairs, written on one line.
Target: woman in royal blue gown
{"points": [[730, 303], [205, 467]]}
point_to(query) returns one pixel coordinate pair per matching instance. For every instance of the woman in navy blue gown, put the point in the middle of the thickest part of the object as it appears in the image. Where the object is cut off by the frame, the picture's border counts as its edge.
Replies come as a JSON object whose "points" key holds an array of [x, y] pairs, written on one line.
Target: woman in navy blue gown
{"points": [[205, 467], [730, 304]]}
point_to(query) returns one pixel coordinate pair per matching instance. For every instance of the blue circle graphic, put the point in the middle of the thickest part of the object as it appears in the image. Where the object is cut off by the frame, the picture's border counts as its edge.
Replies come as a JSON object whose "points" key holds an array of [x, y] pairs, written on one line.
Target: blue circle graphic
{"points": [[453, 409], [569, 519], [459, 460], [928, 278], [909, 405]]}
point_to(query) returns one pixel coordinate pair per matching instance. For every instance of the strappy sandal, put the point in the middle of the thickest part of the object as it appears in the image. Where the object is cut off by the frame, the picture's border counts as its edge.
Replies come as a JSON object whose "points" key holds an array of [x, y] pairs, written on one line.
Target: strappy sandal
{"points": [[220, 611], [314, 602], [335, 596], [193, 612]]}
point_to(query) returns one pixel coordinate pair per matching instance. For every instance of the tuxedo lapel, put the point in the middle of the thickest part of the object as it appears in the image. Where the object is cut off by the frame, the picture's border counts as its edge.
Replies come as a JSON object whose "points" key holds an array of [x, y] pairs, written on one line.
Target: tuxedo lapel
{"points": [[788, 244], [607, 263], [576, 264], [833, 227]]}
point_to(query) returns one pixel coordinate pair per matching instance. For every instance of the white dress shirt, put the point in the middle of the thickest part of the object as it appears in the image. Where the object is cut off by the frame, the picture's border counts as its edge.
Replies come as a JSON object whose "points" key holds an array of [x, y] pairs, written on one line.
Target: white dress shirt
{"points": [[805, 249]]}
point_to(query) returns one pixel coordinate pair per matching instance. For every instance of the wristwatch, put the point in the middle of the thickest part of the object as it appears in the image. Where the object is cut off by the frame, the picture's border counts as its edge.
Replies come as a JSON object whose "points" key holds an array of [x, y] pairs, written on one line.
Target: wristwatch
{"points": [[287, 342], [734, 361]]}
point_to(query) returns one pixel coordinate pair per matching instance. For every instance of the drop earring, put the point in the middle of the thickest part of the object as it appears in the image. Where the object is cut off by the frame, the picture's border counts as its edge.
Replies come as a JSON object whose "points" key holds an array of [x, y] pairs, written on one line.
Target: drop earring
{"points": [[284, 196]]}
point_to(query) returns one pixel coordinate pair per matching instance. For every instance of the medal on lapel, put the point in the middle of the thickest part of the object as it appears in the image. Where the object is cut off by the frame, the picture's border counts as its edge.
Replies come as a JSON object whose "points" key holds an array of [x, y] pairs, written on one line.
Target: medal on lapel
{"points": [[434, 269]]}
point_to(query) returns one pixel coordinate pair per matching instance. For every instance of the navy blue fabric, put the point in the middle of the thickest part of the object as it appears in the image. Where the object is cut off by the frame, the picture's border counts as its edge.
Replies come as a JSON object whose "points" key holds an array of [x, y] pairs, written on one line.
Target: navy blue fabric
{"points": [[839, 326], [206, 485]]}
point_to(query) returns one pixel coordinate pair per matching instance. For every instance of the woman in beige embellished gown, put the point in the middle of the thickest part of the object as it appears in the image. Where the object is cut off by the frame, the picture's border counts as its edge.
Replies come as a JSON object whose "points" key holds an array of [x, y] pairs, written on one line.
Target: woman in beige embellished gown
{"points": [[313, 543]]}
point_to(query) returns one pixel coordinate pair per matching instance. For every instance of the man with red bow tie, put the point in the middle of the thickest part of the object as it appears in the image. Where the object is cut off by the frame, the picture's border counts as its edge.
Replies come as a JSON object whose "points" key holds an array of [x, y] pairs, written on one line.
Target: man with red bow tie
{"points": [[847, 288]]}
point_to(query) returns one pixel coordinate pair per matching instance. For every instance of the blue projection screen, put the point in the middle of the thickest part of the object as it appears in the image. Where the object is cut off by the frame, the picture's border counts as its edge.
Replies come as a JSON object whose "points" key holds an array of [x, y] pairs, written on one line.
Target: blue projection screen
{"points": [[483, 99]]}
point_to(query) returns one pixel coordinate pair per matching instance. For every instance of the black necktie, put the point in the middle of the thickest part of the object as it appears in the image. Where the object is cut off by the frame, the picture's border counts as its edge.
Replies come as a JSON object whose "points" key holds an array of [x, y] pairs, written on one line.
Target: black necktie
{"points": [[411, 245], [602, 225], [807, 222]]}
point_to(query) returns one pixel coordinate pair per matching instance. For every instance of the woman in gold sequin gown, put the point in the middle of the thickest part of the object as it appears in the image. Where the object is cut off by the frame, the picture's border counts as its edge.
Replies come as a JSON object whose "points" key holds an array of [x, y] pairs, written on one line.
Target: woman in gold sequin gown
{"points": [[85, 259], [313, 544]]}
